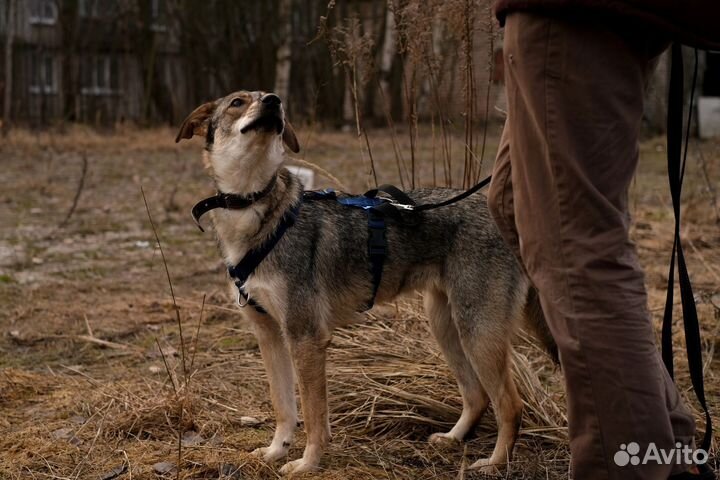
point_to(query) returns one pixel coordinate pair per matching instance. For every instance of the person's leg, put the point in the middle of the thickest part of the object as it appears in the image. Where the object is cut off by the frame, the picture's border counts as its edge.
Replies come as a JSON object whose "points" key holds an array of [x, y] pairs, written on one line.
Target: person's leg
{"points": [[500, 197], [575, 94]]}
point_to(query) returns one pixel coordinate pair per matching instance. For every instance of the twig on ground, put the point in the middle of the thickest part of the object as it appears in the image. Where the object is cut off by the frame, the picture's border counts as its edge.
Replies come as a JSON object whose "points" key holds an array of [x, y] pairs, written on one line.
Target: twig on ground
{"points": [[221, 308], [186, 379], [82, 374], [84, 338], [103, 343], [197, 334], [172, 290], [129, 466], [463, 464], [87, 325], [78, 468], [167, 367], [78, 192]]}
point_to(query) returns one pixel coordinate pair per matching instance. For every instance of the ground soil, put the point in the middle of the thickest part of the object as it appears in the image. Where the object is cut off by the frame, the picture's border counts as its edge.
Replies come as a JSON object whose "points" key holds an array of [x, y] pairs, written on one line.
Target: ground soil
{"points": [[91, 376]]}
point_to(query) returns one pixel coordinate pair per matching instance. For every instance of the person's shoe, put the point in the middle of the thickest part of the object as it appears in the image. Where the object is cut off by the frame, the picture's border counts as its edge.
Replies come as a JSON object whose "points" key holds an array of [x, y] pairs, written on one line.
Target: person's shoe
{"points": [[703, 473]]}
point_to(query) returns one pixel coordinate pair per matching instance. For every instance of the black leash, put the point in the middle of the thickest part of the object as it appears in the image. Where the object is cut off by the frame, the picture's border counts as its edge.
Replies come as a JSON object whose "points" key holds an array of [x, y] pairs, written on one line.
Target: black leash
{"points": [[403, 201], [677, 159]]}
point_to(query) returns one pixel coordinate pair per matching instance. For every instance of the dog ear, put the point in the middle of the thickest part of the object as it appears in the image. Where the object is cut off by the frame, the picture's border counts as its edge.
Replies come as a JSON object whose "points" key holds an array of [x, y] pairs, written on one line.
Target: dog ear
{"points": [[289, 137], [197, 122]]}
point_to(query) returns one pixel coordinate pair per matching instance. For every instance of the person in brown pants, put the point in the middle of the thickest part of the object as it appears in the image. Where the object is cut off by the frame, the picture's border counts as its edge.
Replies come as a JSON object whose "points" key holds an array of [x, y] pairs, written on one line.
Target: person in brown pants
{"points": [[559, 192]]}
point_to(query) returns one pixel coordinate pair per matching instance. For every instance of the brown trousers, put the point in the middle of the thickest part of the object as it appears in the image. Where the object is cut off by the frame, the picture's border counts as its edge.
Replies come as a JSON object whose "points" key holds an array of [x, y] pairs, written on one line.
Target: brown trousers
{"points": [[559, 195]]}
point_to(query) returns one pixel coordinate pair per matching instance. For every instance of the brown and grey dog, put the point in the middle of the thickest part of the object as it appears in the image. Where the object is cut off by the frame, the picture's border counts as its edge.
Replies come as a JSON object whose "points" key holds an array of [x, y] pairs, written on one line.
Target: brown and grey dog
{"points": [[316, 278]]}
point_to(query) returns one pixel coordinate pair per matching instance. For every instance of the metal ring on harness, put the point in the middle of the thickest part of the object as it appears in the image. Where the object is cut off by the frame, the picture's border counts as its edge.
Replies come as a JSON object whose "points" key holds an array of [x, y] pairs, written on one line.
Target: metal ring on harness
{"points": [[240, 295]]}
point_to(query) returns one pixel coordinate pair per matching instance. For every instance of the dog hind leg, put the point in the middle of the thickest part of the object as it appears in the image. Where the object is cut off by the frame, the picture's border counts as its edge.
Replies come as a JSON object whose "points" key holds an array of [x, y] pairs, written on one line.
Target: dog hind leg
{"points": [[309, 355], [279, 368], [485, 330], [475, 400]]}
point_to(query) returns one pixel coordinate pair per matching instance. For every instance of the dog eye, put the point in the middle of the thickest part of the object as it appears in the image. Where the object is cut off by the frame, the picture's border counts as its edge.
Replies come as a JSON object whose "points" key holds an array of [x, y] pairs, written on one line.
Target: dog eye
{"points": [[237, 102]]}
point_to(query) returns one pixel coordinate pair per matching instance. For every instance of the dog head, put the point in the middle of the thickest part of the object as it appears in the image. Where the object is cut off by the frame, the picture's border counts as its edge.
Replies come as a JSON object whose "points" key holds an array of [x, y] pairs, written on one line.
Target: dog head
{"points": [[244, 133]]}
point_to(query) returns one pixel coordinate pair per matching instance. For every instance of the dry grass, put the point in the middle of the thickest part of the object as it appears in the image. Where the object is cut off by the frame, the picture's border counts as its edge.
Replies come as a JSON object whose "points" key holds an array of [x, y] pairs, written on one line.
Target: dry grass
{"points": [[84, 391]]}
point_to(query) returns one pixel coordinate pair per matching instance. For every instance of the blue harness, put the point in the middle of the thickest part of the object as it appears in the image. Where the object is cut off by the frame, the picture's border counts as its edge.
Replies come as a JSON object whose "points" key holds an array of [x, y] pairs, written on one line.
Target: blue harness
{"points": [[377, 243], [377, 240], [377, 210]]}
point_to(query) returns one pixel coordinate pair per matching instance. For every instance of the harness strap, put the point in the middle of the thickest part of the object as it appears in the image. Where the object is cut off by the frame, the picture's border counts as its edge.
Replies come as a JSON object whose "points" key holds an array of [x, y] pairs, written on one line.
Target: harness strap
{"points": [[242, 271], [377, 228], [377, 250], [677, 160], [377, 209]]}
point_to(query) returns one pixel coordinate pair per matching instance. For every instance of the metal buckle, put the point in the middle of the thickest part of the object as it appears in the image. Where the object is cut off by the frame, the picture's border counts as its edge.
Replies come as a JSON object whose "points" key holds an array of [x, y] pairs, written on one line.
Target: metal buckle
{"points": [[401, 205]]}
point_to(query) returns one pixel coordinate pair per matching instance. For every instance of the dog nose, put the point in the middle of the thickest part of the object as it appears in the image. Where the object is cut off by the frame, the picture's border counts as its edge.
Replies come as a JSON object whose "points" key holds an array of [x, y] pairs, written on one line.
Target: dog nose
{"points": [[271, 100]]}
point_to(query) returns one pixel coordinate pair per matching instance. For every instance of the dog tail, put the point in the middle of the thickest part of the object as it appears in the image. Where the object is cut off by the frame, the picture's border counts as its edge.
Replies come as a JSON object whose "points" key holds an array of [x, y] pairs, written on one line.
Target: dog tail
{"points": [[537, 323]]}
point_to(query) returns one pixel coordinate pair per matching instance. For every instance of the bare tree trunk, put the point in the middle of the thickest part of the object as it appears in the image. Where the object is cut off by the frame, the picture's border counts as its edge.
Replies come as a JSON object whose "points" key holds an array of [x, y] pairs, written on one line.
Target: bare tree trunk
{"points": [[149, 78], [284, 51], [10, 36], [388, 50]]}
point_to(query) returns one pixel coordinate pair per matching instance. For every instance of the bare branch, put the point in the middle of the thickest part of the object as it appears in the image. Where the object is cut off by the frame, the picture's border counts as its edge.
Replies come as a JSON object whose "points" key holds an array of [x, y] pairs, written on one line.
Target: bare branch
{"points": [[197, 334], [78, 192], [172, 290]]}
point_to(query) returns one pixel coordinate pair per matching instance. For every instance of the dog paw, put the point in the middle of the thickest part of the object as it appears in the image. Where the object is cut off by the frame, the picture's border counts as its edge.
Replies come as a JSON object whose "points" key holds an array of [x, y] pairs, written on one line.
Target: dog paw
{"points": [[298, 466], [443, 438], [485, 466], [270, 454]]}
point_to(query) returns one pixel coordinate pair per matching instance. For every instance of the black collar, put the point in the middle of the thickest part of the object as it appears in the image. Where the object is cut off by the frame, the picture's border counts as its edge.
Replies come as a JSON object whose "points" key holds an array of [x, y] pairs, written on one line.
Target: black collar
{"points": [[230, 201]]}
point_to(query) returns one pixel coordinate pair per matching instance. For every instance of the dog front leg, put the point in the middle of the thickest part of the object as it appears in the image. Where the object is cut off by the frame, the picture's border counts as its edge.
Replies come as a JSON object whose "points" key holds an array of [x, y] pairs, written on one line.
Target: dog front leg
{"points": [[309, 354], [279, 368]]}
